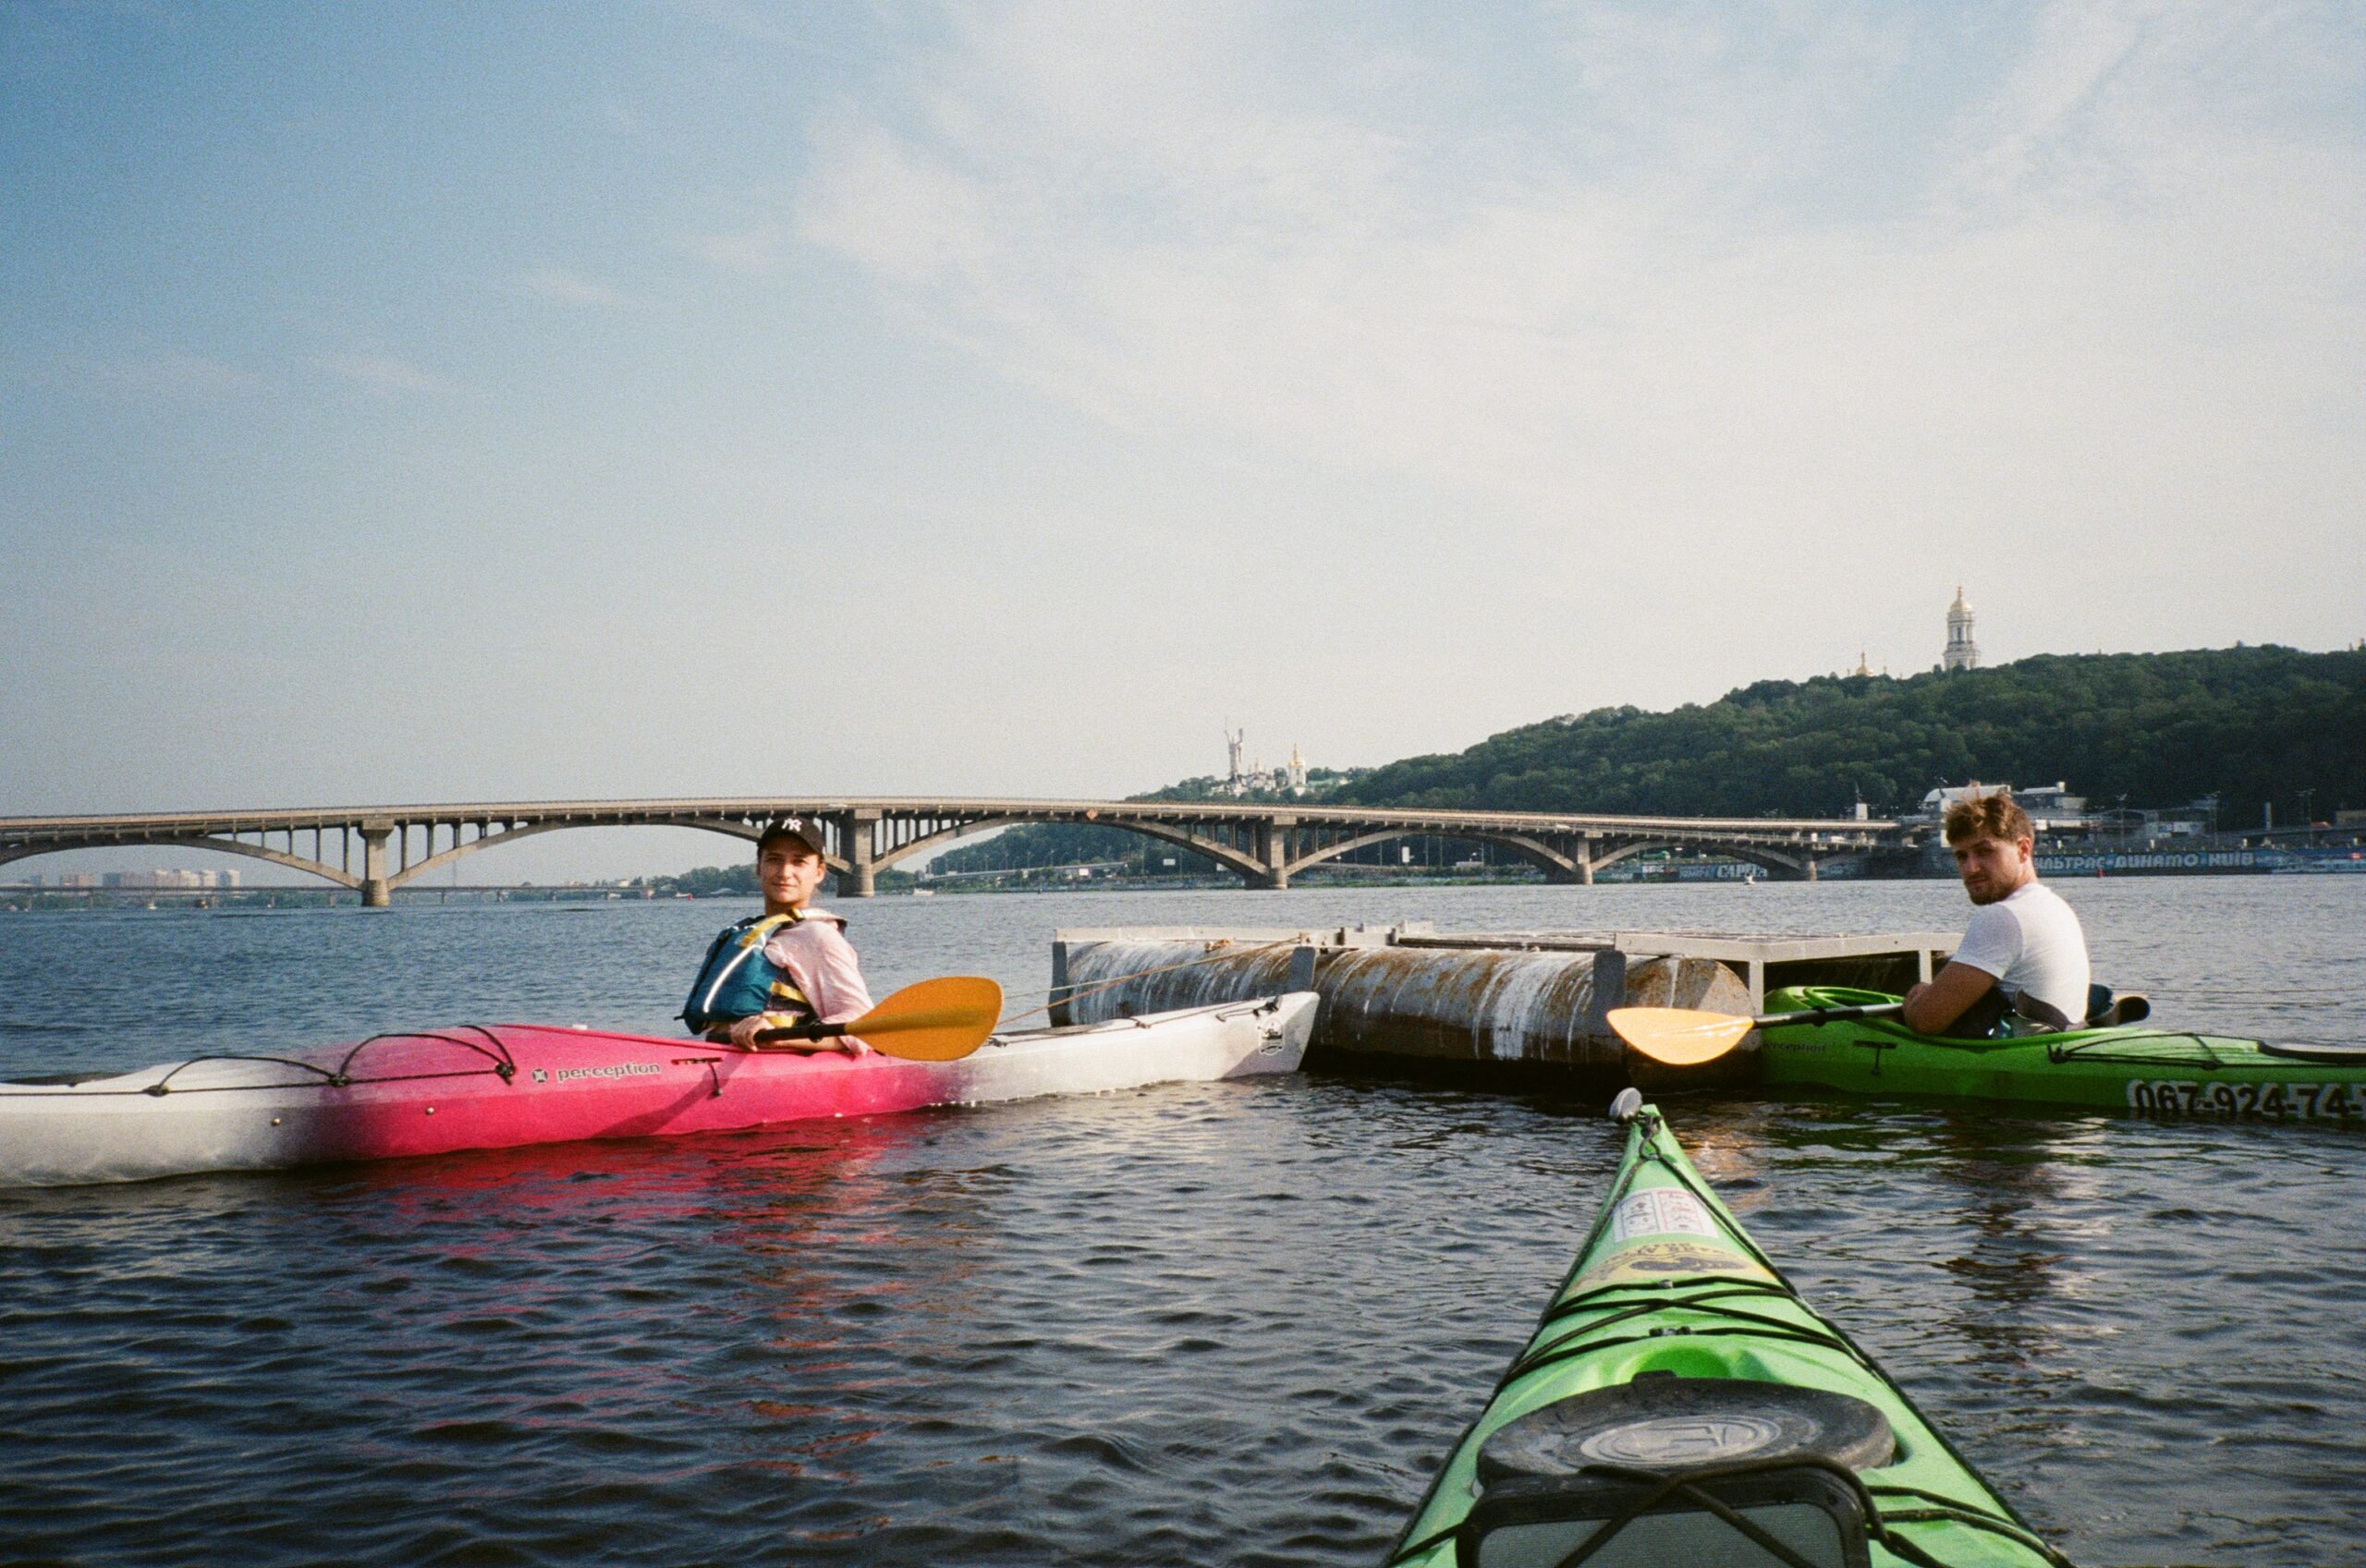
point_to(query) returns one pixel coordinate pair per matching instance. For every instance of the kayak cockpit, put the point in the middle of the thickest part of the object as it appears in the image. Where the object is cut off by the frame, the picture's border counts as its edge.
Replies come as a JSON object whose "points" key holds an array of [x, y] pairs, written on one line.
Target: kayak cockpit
{"points": [[1667, 1469]]}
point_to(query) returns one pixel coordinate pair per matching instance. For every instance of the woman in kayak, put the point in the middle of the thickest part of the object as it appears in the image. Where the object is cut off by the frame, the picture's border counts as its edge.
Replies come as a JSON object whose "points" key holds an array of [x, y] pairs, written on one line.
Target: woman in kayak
{"points": [[790, 964], [2023, 952]]}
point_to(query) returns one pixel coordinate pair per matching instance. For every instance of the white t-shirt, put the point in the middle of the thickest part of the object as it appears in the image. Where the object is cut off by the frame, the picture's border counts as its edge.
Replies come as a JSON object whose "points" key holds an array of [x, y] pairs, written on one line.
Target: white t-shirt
{"points": [[2031, 943]]}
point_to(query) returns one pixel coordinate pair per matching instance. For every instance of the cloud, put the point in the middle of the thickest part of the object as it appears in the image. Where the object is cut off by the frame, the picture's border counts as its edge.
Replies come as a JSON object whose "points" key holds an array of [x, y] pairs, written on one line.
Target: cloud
{"points": [[388, 373], [1719, 275], [563, 288]]}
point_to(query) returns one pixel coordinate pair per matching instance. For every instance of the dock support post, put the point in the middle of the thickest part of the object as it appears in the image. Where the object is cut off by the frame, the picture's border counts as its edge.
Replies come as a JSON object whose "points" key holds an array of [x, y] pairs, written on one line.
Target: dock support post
{"points": [[1606, 990], [1057, 1012]]}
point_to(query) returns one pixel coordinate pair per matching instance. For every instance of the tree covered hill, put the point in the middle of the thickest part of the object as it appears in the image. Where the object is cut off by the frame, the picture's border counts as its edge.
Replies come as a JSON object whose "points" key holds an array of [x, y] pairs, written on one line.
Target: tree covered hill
{"points": [[2252, 725]]}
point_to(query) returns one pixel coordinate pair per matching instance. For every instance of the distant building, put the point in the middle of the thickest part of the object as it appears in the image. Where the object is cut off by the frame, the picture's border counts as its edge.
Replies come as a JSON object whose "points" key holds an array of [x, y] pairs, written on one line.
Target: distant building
{"points": [[1240, 780], [162, 879], [1963, 653], [2052, 807]]}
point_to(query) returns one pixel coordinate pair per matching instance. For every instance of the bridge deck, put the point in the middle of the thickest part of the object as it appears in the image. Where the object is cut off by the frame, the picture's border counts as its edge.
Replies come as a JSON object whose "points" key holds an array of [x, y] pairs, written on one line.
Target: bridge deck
{"points": [[1264, 842]]}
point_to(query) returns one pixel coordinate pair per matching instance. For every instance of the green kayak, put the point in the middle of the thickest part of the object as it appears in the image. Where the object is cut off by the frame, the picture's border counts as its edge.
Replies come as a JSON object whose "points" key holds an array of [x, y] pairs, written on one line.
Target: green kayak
{"points": [[1679, 1404], [2141, 1068]]}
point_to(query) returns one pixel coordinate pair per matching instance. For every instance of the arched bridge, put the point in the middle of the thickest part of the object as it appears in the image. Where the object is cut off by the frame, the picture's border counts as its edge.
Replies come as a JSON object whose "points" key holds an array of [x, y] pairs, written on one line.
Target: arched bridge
{"points": [[1265, 842]]}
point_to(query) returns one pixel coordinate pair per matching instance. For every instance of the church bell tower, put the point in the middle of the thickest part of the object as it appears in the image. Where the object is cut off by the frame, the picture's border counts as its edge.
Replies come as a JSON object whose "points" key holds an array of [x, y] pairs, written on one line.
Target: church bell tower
{"points": [[1962, 652]]}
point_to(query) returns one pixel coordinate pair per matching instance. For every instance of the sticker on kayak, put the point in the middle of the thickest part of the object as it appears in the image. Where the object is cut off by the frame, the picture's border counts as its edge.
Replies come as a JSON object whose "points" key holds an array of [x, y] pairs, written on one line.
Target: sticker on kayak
{"points": [[2336, 1102], [1645, 1260], [1660, 1211], [607, 1070]]}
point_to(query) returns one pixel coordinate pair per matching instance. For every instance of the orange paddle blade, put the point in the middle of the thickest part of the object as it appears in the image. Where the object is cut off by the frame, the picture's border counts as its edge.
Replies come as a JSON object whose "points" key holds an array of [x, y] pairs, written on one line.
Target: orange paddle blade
{"points": [[1677, 1036], [939, 1020]]}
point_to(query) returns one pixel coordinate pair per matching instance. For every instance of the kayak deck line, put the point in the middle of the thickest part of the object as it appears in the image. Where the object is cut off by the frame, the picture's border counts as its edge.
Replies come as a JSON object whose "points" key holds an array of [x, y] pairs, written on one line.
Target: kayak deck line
{"points": [[1578, 1343], [339, 1077], [1680, 1401]]}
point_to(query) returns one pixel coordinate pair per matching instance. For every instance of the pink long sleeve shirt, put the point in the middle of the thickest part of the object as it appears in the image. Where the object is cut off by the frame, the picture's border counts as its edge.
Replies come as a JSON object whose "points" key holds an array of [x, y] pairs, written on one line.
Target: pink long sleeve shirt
{"points": [[819, 958]]}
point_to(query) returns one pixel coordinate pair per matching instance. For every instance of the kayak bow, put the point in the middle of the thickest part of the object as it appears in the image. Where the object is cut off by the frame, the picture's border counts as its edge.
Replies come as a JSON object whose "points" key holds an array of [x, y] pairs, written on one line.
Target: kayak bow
{"points": [[1680, 1404]]}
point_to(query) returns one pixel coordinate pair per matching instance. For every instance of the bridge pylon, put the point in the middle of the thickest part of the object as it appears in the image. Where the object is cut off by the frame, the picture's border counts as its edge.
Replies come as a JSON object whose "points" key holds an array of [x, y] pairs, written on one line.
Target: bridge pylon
{"points": [[376, 891], [858, 845], [1272, 843]]}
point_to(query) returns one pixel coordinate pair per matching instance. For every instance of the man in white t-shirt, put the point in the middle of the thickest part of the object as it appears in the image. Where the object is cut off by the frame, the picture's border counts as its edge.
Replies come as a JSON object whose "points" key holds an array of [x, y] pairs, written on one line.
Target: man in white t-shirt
{"points": [[2023, 953]]}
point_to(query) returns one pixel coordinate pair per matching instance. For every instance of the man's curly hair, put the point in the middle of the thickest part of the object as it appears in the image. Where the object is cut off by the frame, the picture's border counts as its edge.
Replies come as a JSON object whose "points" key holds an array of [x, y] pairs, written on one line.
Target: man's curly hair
{"points": [[1987, 814]]}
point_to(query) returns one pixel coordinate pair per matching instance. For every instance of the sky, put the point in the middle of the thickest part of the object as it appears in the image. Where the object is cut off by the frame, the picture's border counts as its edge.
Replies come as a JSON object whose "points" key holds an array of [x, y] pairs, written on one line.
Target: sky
{"points": [[518, 402]]}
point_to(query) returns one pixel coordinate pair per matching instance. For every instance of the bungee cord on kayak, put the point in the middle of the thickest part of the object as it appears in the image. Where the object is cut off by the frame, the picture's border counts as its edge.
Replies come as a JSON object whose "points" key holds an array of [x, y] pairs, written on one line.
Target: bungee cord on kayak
{"points": [[1581, 1343], [339, 1077]]}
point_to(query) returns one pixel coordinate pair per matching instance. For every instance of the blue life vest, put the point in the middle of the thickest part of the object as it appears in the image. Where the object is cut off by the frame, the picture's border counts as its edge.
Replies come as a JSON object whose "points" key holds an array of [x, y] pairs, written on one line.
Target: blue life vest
{"points": [[736, 980]]}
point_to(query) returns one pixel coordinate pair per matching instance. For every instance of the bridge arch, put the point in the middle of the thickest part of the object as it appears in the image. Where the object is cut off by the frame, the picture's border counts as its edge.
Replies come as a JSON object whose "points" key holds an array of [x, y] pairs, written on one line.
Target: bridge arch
{"points": [[226, 846], [1554, 863], [1801, 868], [728, 827], [951, 833], [1223, 853]]}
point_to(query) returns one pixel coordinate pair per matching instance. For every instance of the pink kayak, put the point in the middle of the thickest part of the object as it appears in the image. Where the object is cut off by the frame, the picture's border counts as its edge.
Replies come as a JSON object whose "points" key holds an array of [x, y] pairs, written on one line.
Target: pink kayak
{"points": [[501, 1086]]}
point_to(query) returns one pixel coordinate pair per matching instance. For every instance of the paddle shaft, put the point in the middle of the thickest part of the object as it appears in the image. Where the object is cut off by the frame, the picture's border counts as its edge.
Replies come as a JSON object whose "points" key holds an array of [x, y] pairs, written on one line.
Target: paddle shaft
{"points": [[804, 1031], [1833, 1015], [939, 1020]]}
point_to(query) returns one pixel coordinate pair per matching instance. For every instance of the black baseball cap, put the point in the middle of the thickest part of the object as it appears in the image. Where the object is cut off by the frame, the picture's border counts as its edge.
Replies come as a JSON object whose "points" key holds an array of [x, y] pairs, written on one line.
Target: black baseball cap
{"points": [[806, 831]]}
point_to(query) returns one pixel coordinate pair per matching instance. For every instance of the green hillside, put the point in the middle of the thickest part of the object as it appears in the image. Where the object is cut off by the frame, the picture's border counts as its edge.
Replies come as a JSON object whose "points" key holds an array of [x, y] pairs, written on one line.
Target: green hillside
{"points": [[2252, 725]]}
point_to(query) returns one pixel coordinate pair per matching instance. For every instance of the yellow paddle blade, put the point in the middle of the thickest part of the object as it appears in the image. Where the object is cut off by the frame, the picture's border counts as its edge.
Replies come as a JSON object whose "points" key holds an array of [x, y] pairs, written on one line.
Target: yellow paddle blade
{"points": [[1678, 1036], [939, 1020]]}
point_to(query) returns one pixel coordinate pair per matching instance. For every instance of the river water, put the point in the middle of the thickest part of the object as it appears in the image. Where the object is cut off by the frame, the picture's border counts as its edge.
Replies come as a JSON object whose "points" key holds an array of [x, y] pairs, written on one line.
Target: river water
{"points": [[1234, 1324]]}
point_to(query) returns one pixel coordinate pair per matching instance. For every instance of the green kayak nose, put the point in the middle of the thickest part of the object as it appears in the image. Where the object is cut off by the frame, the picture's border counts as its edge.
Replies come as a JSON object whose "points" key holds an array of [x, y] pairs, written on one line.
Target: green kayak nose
{"points": [[1679, 1407]]}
